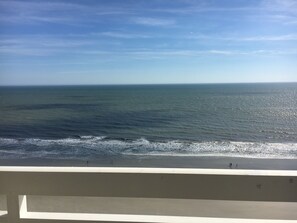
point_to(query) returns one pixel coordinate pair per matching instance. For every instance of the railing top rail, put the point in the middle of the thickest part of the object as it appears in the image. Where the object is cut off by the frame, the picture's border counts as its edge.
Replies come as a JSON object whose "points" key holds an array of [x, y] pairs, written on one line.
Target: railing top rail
{"points": [[137, 170]]}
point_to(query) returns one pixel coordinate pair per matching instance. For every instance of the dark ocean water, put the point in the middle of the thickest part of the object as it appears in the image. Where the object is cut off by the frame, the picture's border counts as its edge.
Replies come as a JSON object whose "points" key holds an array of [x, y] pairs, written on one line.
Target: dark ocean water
{"points": [[237, 120]]}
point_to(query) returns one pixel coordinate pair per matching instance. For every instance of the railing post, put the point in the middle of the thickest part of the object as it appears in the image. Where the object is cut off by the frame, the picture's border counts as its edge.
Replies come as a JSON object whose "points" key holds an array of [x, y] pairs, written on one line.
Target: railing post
{"points": [[13, 208], [23, 204]]}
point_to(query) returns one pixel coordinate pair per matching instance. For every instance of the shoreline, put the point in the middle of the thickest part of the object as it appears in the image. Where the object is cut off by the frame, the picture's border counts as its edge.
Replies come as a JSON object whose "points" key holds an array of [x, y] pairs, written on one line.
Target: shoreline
{"points": [[162, 162]]}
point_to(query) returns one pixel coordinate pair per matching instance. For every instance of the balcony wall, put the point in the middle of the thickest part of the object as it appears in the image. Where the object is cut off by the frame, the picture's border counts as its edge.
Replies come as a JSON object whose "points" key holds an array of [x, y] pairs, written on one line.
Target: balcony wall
{"points": [[68, 194]]}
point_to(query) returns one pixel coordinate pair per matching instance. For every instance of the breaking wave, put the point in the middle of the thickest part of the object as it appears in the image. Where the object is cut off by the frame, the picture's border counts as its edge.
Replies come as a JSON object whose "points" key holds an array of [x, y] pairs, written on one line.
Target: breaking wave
{"points": [[92, 146]]}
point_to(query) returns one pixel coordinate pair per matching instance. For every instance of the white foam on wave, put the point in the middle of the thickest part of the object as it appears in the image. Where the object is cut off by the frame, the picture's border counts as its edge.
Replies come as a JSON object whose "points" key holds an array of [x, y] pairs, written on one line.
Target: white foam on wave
{"points": [[66, 141], [230, 149], [100, 145], [7, 141]]}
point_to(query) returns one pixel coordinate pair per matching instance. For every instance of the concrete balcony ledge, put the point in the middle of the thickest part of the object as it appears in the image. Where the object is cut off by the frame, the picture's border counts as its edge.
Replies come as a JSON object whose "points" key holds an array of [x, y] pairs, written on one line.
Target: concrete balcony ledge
{"points": [[36, 217], [86, 194]]}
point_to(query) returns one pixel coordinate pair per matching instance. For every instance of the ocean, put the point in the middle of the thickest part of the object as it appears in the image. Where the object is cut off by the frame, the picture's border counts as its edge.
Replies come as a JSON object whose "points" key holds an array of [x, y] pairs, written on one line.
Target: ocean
{"points": [[90, 122]]}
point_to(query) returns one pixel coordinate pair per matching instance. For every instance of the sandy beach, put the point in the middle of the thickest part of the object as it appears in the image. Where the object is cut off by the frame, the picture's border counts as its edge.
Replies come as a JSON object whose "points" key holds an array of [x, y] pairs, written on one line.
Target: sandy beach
{"points": [[162, 161]]}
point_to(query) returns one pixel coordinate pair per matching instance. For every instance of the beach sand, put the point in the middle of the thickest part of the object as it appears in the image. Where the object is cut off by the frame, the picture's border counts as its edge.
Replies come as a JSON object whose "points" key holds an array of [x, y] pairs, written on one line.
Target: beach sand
{"points": [[162, 161]]}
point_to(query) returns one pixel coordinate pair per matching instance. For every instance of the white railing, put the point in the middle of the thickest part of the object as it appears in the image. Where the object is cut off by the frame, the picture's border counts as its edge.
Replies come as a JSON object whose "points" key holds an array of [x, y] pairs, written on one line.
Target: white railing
{"points": [[165, 183]]}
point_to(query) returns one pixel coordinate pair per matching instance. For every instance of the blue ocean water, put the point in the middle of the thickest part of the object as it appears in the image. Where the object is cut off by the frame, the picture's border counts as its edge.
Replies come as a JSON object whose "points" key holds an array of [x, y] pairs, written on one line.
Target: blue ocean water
{"points": [[85, 122]]}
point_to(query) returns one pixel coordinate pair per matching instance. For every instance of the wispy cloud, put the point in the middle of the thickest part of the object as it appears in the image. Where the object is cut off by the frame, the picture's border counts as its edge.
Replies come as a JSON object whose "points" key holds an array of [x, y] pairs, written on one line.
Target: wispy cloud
{"points": [[220, 52], [278, 18], [94, 56], [193, 10], [270, 38], [169, 53], [41, 41], [93, 44], [27, 51], [68, 12], [123, 35], [279, 5], [242, 6], [40, 6], [63, 12], [153, 21], [289, 37], [29, 19], [38, 12], [40, 45]]}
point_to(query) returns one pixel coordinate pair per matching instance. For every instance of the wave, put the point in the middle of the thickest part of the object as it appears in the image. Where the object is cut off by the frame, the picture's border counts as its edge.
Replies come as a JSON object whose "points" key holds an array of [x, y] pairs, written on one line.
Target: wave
{"points": [[92, 146]]}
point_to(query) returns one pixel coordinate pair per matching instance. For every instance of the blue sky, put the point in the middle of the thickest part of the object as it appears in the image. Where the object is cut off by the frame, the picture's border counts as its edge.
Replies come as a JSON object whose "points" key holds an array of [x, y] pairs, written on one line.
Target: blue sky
{"points": [[147, 41]]}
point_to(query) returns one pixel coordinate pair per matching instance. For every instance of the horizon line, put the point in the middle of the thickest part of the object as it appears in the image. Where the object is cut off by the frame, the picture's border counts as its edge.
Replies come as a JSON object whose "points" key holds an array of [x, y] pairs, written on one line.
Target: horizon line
{"points": [[147, 84]]}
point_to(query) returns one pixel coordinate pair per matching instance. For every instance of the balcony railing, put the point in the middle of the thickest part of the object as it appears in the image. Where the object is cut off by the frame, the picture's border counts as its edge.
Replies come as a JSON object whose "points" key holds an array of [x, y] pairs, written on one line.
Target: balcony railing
{"points": [[17, 184]]}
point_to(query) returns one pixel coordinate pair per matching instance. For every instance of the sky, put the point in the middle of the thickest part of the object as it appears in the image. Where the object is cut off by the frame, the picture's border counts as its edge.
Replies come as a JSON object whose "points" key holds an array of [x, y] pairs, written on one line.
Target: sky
{"points": [[70, 42]]}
